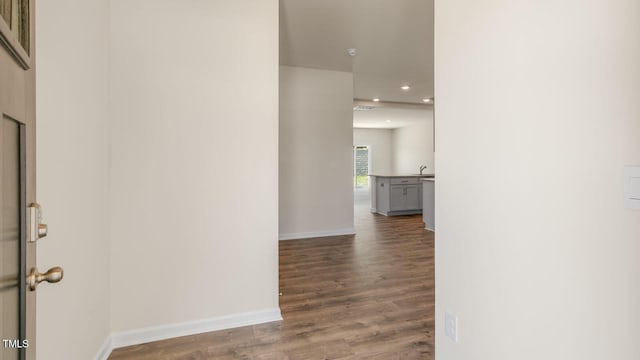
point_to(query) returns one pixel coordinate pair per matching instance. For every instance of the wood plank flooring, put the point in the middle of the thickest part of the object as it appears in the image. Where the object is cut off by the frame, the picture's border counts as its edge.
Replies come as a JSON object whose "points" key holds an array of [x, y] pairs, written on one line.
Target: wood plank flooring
{"points": [[368, 296]]}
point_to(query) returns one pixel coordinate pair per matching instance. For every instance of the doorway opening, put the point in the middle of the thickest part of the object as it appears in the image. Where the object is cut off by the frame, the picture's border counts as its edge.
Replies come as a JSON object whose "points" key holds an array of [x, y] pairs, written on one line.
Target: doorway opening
{"points": [[391, 135], [361, 166]]}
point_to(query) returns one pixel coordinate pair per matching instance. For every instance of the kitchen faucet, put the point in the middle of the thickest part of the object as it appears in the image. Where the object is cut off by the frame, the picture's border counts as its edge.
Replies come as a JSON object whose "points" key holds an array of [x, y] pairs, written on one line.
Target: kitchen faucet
{"points": [[422, 167]]}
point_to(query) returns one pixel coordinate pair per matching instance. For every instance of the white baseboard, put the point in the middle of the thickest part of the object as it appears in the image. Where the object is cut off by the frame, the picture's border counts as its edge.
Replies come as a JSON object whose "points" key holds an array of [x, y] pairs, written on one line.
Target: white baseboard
{"points": [[156, 333], [105, 350], [314, 234]]}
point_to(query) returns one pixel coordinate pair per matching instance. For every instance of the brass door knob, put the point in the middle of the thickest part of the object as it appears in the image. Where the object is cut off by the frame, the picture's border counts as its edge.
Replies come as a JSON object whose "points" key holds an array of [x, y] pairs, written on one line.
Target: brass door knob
{"points": [[52, 275]]}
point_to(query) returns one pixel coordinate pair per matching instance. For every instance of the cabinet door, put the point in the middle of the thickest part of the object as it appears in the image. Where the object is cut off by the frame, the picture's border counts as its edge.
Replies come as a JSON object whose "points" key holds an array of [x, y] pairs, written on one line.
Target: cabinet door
{"points": [[412, 197], [396, 198]]}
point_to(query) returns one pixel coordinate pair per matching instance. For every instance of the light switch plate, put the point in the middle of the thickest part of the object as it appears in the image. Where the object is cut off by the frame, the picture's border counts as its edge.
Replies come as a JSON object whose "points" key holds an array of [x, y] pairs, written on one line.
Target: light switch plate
{"points": [[632, 187]]}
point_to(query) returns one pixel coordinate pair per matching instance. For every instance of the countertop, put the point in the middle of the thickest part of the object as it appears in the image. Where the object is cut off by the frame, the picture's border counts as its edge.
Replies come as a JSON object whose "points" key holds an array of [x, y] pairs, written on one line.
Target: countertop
{"points": [[404, 175]]}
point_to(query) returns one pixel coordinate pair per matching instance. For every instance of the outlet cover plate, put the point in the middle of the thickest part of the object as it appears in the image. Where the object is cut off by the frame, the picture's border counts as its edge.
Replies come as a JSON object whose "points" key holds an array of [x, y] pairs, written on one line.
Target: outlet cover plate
{"points": [[451, 326]]}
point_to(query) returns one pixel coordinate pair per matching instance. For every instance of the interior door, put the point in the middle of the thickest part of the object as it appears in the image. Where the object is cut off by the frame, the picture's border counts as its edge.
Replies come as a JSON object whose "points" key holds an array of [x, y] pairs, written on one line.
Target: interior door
{"points": [[19, 215]]}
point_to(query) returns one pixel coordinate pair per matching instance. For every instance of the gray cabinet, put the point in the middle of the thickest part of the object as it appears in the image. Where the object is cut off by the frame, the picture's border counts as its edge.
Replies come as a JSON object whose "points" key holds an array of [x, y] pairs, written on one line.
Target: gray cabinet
{"points": [[398, 196], [404, 197]]}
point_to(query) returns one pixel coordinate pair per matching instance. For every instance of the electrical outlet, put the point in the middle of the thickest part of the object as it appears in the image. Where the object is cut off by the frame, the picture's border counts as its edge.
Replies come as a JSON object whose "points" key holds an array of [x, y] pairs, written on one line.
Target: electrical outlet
{"points": [[451, 326]]}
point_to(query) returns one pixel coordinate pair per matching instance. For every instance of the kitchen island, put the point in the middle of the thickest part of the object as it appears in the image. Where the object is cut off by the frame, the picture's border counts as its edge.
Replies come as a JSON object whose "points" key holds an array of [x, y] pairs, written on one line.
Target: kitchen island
{"points": [[397, 194], [428, 203]]}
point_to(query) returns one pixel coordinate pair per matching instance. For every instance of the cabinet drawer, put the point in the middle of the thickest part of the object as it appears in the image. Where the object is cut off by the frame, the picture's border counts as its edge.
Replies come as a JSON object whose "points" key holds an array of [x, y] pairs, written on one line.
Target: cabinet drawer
{"points": [[404, 181]]}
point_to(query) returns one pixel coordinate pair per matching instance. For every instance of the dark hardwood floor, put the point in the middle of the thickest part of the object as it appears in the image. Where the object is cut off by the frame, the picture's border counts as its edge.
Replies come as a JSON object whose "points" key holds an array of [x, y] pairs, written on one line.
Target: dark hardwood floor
{"points": [[368, 296]]}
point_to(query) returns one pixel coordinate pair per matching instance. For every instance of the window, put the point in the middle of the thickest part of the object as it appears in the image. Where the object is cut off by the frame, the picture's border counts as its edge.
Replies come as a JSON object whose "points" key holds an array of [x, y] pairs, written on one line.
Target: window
{"points": [[15, 14]]}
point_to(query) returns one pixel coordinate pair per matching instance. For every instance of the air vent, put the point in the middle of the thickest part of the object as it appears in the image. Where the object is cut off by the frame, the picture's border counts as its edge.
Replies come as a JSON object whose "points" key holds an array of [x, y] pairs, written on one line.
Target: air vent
{"points": [[363, 108]]}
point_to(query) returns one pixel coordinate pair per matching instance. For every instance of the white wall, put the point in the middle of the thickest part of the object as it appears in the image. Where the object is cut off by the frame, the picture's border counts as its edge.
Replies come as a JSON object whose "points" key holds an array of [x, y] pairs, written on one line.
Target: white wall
{"points": [[413, 147], [380, 151], [72, 150], [537, 108], [194, 173], [316, 144]]}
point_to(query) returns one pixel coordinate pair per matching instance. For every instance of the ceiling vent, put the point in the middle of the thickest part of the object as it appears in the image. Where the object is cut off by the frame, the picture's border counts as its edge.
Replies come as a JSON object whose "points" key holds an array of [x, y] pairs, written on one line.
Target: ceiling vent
{"points": [[363, 108]]}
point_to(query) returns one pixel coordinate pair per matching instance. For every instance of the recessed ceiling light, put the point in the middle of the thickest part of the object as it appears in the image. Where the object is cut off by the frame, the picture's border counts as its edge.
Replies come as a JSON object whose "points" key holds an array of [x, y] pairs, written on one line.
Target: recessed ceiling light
{"points": [[376, 99], [427, 100], [405, 87], [388, 121]]}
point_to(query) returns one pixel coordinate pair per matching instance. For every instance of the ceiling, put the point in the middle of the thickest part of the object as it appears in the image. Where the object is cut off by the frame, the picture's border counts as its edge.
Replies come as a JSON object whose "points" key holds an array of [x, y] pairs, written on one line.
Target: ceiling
{"points": [[390, 116], [393, 38]]}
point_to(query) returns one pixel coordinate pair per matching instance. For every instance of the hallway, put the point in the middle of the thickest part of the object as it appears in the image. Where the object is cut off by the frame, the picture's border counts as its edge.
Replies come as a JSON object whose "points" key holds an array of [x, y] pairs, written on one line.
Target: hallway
{"points": [[368, 296]]}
